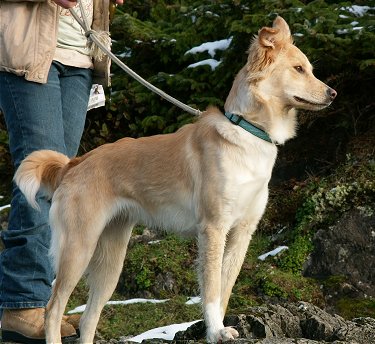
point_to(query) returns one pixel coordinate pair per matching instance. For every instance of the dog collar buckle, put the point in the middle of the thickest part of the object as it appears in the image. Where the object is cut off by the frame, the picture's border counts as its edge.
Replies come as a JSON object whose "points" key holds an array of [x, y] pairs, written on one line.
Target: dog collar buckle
{"points": [[235, 119], [244, 124]]}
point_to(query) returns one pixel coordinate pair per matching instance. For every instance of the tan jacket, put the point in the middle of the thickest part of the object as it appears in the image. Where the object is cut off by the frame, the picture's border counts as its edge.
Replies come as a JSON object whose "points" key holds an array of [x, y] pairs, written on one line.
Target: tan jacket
{"points": [[28, 35]]}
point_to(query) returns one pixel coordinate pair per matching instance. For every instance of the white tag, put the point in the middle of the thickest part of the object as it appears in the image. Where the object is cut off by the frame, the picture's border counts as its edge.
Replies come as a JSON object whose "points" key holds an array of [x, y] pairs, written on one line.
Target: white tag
{"points": [[97, 97]]}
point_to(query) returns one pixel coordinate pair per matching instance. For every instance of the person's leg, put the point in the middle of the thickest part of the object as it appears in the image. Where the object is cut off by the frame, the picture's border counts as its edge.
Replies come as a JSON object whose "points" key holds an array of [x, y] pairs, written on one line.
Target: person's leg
{"points": [[49, 116], [33, 115], [75, 86]]}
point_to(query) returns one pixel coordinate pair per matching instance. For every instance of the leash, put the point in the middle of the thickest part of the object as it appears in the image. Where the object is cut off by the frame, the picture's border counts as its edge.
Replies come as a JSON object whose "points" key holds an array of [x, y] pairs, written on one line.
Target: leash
{"points": [[99, 40]]}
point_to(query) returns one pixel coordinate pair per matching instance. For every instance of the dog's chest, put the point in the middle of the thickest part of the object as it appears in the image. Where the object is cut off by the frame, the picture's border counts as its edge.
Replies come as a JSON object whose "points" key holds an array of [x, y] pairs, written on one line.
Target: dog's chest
{"points": [[246, 183]]}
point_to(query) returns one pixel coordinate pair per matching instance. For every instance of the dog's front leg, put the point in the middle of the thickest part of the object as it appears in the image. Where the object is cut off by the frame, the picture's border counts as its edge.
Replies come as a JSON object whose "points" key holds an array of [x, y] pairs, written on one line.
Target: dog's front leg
{"points": [[237, 243], [211, 242]]}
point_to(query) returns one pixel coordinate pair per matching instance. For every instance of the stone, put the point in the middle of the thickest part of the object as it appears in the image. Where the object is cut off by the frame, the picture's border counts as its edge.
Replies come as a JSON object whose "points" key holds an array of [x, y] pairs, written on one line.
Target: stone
{"points": [[346, 249]]}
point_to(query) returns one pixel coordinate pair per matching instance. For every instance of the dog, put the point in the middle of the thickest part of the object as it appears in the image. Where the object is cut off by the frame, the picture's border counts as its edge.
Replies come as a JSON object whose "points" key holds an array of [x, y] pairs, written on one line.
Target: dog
{"points": [[209, 179]]}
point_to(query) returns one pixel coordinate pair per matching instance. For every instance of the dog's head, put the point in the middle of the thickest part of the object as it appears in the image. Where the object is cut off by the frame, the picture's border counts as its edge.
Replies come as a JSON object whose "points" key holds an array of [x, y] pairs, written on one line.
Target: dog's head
{"points": [[282, 71]]}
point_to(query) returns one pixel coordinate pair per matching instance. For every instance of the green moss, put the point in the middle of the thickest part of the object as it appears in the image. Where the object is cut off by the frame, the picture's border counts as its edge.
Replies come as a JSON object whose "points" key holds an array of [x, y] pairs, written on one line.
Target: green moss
{"points": [[134, 319], [288, 286], [292, 260], [145, 262], [350, 308], [334, 282]]}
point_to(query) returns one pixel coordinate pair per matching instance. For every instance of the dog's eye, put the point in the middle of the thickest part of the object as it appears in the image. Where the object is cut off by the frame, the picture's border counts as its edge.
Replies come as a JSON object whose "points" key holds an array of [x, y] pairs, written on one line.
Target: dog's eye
{"points": [[299, 69]]}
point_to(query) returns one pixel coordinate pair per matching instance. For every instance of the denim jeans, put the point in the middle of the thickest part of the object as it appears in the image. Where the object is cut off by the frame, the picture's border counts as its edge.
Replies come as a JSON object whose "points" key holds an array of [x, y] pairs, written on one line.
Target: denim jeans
{"points": [[38, 116]]}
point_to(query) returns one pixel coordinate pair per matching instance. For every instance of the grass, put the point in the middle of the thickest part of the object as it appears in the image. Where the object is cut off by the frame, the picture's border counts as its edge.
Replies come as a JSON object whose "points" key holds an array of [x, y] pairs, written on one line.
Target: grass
{"points": [[350, 308], [134, 319], [129, 320]]}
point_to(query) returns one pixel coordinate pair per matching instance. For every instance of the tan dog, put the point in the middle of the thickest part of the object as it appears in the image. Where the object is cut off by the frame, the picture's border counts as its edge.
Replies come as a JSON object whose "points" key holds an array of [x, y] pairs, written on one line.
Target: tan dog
{"points": [[209, 179]]}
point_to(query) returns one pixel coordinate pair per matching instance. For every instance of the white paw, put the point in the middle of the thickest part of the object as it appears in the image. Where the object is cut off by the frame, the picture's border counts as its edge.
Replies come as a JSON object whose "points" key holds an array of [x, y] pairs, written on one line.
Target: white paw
{"points": [[223, 335]]}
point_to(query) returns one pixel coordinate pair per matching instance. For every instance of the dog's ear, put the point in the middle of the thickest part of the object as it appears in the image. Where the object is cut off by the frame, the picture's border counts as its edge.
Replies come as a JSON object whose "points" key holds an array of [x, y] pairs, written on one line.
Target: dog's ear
{"points": [[280, 24], [265, 47], [275, 37]]}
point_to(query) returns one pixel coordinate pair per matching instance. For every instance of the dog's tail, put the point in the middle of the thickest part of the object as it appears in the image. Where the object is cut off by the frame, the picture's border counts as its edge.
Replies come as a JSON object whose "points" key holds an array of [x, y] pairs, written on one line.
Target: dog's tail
{"points": [[43, 168]]}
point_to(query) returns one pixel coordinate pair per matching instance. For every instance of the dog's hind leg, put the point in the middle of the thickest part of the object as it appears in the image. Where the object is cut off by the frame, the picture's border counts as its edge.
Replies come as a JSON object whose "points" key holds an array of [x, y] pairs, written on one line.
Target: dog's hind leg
{"points": [[211, 241], [103, 273], [72, 249], [238, 240]]}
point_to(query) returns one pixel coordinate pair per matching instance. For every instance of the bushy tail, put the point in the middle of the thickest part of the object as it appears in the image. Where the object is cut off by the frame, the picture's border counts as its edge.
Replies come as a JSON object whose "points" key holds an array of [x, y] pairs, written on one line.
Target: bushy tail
{"points": [[43, 168]]}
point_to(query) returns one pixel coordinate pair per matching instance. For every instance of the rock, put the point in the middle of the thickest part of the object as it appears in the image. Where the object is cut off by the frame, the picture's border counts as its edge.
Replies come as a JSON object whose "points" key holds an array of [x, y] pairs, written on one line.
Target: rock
{"points": [[165, 281], [346, 249], [289, 323], [301, 323]]}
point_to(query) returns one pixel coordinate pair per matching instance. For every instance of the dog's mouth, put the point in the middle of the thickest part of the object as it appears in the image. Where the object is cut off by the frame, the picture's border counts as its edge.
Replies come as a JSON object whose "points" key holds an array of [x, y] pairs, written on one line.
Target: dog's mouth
{"points": [[307, 102]]}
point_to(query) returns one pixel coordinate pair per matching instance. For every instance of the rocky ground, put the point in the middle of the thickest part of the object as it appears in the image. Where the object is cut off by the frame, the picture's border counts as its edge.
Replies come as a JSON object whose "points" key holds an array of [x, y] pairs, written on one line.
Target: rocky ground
{"points": [[289, 323]]}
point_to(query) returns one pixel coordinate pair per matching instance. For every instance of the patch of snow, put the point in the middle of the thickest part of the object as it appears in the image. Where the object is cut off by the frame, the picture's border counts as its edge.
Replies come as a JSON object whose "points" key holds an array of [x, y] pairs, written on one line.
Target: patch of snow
{"points": [[81, 309], [153, 242], [357, 10], [211, 47], [193, 300], [127, 53], [211, 62], [4, 207], [342, 31], [165, 332], [273, 252]]}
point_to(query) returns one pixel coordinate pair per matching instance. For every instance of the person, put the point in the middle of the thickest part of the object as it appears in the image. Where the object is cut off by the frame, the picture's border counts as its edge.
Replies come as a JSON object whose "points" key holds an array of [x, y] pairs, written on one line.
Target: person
{"points": [[46, 73]]}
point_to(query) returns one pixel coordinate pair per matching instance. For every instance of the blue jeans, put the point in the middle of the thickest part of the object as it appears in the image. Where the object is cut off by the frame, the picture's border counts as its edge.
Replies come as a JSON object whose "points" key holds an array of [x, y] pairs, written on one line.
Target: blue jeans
{"points": [[38, 116]]}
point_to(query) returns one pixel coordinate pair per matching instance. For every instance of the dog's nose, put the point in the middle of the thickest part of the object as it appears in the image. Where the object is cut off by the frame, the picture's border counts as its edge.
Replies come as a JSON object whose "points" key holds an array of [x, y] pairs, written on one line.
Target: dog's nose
{"points": [[331, 93]]}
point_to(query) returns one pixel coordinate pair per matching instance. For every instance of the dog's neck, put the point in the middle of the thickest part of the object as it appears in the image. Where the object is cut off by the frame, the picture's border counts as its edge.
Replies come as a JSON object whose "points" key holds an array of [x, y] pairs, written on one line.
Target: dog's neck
{"points": [[266, 112]]}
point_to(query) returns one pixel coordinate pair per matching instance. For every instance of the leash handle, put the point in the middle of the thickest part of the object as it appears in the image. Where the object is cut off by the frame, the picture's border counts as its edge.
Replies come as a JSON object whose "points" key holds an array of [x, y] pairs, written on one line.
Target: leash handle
{"points": [[92, 34]]}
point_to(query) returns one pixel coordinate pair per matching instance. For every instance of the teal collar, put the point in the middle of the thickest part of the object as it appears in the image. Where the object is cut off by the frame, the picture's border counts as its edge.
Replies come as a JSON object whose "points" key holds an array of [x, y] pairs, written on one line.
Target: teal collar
{"points": [[243, 123]]}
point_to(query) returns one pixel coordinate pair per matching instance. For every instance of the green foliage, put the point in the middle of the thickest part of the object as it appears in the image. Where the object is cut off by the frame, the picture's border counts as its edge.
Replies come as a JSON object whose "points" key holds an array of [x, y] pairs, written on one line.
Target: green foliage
{"points": [[283, 285], [296, 255], [147, 263], [152, 37]]}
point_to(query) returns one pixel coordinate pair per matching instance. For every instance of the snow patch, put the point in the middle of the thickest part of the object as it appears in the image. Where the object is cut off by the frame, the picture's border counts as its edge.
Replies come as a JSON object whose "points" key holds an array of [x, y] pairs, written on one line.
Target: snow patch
{"points": [[193, 300], [165, 332], [82, 308], [357, 10], [4, 207], [273, 252], [211, 47], [210, 62]]}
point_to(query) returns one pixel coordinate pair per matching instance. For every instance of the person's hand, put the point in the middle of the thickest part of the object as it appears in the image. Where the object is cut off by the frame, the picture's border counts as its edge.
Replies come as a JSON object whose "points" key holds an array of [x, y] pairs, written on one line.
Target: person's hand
{"points": [[119, 2], [66, 3]]}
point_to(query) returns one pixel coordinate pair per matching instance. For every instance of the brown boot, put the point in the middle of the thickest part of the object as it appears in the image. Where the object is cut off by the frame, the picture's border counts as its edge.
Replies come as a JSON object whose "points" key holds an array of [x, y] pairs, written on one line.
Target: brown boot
{"points": [[73, 320], [27, 326]]}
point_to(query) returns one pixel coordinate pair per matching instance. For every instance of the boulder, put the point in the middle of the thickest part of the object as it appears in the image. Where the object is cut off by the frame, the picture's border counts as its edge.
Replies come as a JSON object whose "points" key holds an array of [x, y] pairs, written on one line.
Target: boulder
{"points": [[346, 249]]}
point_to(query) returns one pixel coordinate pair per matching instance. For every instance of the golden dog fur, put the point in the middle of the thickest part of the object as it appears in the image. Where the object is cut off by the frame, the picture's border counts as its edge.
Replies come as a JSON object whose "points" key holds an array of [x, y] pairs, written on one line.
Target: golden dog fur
{"points": [[209, 179]]}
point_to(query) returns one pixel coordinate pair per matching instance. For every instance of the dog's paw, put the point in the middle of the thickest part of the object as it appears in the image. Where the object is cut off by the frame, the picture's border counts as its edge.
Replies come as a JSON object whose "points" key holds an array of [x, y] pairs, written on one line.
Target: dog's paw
{"points": [[223, 335], [228, 333]]}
